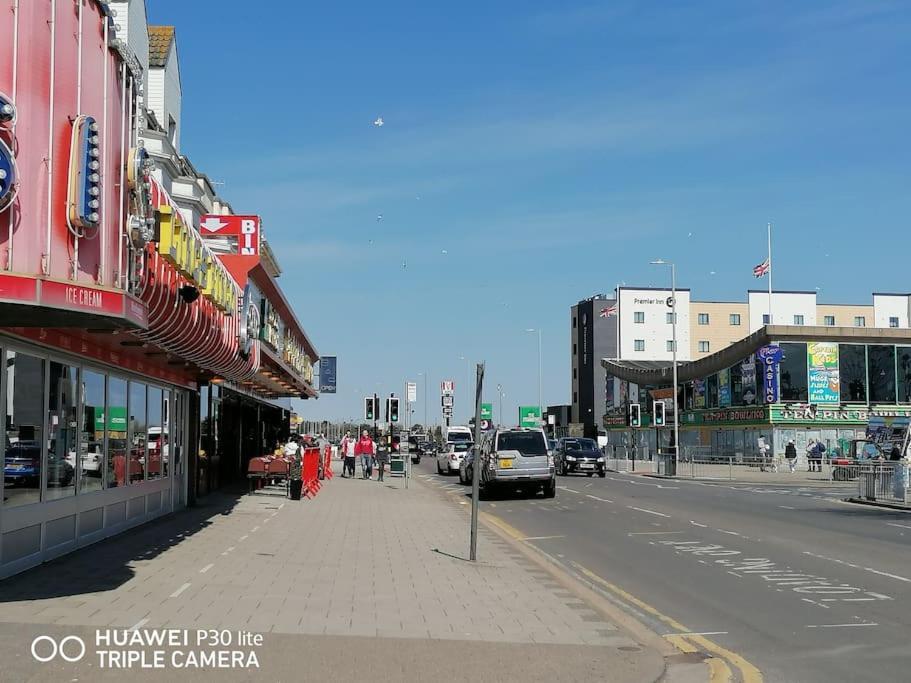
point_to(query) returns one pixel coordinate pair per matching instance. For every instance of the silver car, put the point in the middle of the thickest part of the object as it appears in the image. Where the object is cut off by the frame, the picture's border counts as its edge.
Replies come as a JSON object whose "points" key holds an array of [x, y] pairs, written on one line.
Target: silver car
{"points": [[517, 458]]}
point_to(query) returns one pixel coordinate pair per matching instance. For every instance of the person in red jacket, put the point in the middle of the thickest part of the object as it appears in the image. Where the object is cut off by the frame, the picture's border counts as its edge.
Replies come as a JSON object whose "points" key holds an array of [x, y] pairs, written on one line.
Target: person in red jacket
{"points": [[366, 448]]}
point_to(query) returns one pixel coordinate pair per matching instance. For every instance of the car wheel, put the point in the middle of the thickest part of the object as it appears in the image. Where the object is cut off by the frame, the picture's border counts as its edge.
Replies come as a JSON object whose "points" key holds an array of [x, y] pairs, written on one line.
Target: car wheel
{"points": [[602, 474], [439, 469], [550, 490], [590, 474]]}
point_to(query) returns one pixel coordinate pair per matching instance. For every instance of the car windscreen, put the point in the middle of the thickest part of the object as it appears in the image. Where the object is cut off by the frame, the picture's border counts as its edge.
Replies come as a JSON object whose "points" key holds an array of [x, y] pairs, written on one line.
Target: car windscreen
{"points": [[459, 436], [527, 443], [580, 445]]}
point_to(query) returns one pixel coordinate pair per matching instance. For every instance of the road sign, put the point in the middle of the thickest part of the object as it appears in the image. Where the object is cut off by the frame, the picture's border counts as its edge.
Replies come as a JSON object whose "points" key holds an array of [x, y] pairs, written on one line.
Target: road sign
{"points": [[412, 392], [529, 416], [447, 412], [447, 401], [447, 386], [487, 411]]}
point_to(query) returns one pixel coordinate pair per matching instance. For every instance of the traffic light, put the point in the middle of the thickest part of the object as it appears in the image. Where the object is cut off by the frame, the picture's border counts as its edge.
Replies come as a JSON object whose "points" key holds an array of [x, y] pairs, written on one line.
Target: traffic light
{"points": [[658, 411], [84, 190], [393, 409], [635, 415], [369, 409]]}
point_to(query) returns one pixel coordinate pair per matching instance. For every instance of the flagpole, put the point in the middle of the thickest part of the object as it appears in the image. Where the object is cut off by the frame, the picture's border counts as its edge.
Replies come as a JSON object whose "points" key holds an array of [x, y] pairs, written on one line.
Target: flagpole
{"points": [[770, 272]]}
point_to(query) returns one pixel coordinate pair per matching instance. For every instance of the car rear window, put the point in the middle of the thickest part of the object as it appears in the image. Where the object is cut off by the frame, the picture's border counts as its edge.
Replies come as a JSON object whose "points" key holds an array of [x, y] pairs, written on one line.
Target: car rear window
{"points": [[461, 447], [527, 443]]}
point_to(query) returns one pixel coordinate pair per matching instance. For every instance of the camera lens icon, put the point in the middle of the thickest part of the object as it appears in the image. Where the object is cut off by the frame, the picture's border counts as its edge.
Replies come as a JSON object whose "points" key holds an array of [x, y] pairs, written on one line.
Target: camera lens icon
{"points": [[70, 649]]}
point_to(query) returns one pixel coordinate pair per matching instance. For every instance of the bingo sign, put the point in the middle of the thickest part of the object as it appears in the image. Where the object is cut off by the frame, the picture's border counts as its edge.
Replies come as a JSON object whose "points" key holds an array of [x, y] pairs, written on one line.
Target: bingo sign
{"points": [[242, 231], [770, 357]]}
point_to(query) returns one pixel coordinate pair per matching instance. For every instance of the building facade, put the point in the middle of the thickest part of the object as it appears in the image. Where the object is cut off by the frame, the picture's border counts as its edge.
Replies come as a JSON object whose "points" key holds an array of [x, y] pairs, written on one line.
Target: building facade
{"points": [[593, 335]]}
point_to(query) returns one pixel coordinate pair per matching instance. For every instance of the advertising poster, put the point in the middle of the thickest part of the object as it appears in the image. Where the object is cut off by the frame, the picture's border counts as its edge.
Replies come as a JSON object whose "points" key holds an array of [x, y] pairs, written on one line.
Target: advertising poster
{"points": [[699, 393], [724, 388], [770, 357], [822, 372], [748, 379], [624, 392], [609, 393], [328, 366]]}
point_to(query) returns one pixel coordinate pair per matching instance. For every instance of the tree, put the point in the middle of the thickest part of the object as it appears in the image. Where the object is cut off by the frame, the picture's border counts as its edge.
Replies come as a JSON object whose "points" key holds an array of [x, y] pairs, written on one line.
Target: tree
{"points": [[418, 428]]}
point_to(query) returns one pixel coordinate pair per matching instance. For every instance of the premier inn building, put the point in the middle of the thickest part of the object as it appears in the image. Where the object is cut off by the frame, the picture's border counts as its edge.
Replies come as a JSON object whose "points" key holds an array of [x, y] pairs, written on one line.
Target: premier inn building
{"points": [[781, 382]]}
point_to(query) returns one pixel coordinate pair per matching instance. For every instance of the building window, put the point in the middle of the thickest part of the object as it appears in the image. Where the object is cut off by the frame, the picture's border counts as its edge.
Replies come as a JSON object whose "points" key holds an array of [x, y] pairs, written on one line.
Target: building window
{"points": [[94, 422], [765, 319], [704, 347], [670, 345], [638, 316], [639, 345], [670, 317], [734, 319], [881, 371], [828, 320], [893, 322], [575, 397], [703, 318], [172, 131], [860, 321], [22, 468], [116, 418], [574, 348], [793, 372], [798, 320], [903, 356], [852, 372], [574, 322], [156, 441], [136, 456], [63, 432], [575, 374]]}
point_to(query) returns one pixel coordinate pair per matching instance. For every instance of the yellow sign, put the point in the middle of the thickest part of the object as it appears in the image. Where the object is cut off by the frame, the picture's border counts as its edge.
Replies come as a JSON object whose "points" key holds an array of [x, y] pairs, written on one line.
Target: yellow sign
{"points": [[181, 246], [294, 355]]}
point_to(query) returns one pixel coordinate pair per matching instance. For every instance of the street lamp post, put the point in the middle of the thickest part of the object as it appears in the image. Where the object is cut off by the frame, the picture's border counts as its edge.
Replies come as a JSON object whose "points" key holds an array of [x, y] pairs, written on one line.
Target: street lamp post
{"points": [[468, 392], [500, 395], [540, 372], [663, 262], [424, 375]]}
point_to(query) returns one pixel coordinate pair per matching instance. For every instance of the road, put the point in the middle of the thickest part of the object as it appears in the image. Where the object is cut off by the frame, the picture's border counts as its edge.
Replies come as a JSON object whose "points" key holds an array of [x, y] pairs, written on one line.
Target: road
{"points": [[800, 584]]}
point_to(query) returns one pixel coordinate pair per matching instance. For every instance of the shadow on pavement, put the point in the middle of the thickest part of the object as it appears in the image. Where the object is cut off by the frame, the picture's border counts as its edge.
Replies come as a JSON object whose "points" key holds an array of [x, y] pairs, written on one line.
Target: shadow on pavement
{"points": [[106, 565]]}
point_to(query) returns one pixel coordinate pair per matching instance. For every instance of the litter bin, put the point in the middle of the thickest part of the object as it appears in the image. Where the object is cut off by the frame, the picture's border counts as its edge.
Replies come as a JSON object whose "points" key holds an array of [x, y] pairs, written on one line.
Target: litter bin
{"points": [[294, 488]]}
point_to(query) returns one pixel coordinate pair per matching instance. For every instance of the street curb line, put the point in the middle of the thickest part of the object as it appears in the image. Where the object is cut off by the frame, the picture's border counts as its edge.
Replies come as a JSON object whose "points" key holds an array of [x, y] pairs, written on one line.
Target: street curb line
{"points": [[876, 504], [718, 657]]}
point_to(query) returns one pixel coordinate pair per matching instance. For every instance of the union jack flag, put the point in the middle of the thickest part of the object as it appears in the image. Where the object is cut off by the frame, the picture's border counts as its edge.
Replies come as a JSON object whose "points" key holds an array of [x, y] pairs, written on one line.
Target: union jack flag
{"points": [[608, 312], [762, 269]]}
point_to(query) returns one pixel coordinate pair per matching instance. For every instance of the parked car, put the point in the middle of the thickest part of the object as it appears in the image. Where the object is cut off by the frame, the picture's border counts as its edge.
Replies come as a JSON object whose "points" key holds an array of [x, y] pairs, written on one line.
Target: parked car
{"points": [[579, 455], [92, 458], [465, 467], [450, 458], [552, 446], [517, 458], [22, 466]]}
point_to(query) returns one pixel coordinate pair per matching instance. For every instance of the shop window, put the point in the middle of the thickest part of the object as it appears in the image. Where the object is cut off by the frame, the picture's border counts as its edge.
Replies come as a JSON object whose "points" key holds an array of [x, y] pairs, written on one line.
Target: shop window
{"points": [[639, 345], [793, 372], [881, 371], [704, 347], [92, 434], [156, 443], [62, 431], [22, 468], [798, 320], [639, 317], [828, 320], [138, 436], [860, 321], [852, 372], [711, 391], [703, 318], [893, 321], [116, 422], [737, 385], [903, 359], [734, 319]]}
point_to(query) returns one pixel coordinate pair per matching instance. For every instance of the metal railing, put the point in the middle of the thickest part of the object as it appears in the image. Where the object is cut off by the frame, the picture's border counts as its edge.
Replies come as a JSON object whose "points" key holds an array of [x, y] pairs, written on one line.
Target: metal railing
{"points": [[884, 482]]}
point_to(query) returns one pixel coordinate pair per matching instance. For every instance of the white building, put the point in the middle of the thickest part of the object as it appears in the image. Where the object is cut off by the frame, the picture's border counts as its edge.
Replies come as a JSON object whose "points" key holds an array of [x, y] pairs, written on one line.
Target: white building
{"points": [[646, 324], [788, 308]]}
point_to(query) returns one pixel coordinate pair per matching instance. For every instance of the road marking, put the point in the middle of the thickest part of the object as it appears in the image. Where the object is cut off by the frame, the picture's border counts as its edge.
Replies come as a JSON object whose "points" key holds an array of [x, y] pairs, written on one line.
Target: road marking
{"points": [[281, 506], [700, 633], [652, 533], [493, 505], [206, 568], [540, 538], [651, 512], [244, 537], [138, 625], [856, 566], [903, 526], [600, 500], [731, 533], [841, 625], [254, 530], [704, 526], [176, 594], [786, 507], [566, 488]]}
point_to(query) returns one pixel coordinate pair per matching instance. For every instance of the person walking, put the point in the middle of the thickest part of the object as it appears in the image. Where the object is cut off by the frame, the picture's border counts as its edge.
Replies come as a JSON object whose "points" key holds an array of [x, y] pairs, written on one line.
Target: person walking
{"points": [[348, 456], [790, 454], [382, 457], [366, 448]]}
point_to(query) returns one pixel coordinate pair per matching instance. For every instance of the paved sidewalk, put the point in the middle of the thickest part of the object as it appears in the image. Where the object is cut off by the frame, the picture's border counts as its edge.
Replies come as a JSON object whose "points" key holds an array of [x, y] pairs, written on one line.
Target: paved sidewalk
{"points": [[365, 567]]}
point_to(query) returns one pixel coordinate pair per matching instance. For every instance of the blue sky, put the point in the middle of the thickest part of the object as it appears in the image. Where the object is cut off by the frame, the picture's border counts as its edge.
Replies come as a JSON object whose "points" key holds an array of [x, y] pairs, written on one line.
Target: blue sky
{"points": [[536, 153]]}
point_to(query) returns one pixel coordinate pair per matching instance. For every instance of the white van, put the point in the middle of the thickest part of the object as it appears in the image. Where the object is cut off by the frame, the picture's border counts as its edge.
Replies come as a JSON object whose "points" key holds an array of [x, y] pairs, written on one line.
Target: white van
{"points": [[458, 434]]}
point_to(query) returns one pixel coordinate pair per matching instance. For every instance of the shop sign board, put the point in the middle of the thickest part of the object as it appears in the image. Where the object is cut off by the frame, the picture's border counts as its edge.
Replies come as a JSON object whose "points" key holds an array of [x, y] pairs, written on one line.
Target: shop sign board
{"points": [[244, 228], [822, 372], [529, 416], [412, 392], [724, 388], [770, 357], [811, 414], [328, 366], [116, 419], [748, 380]]}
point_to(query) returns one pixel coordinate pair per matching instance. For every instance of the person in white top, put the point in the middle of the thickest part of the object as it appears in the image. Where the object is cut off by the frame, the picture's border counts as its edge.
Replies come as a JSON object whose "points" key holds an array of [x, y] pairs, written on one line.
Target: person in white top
{"points": [[347, 450]]}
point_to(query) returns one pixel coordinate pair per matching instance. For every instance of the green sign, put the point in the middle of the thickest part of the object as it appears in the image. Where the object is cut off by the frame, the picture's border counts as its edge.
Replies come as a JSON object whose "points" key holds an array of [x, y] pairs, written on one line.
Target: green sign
{"points": [[726, 416], [529, 416], [116, 422], [813, 415], [822, 372], [487, 411]]}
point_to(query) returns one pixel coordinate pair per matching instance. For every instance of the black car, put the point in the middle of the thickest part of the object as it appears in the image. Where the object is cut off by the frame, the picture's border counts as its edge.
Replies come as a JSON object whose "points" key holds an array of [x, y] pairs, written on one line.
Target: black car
{"points": [[577, 455]]}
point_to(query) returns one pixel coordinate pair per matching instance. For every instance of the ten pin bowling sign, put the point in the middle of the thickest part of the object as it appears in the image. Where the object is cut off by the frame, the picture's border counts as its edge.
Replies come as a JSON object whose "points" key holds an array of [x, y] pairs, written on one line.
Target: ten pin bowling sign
{"points": [[243, 229]]}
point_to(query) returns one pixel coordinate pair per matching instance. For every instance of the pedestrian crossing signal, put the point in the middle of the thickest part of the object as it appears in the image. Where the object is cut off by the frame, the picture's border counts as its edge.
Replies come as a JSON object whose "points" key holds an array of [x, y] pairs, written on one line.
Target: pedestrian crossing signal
{"points": [[658, 411], [635, 415], [369, 408]]}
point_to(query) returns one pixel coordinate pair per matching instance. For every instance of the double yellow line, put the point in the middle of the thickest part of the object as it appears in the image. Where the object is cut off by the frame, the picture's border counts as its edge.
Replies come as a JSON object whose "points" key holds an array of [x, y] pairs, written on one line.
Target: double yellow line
{"points": [[721, 660]]}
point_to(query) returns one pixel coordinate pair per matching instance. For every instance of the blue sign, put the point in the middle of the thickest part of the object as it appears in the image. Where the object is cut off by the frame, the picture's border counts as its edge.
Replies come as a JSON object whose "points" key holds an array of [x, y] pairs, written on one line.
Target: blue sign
{"points": [[328, 366], [770, 357]]}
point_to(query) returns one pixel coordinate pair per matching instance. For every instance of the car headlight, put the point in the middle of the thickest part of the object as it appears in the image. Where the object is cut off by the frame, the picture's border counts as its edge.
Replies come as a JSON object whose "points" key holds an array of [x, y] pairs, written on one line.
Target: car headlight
{"points": [[601, 459], [570, 458], [550, 461]]}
